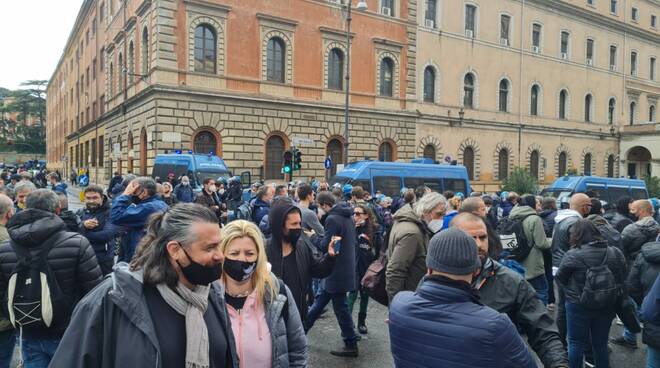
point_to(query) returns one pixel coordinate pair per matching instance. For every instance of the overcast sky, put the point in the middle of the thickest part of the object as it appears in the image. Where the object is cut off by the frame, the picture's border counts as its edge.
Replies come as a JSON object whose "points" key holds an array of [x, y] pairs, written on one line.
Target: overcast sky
{"points": [[32, 36]]}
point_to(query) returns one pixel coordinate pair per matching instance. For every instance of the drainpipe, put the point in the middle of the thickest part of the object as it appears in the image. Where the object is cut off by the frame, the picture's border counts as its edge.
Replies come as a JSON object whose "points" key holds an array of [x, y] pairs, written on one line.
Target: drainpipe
{"points": [[520, 77]]}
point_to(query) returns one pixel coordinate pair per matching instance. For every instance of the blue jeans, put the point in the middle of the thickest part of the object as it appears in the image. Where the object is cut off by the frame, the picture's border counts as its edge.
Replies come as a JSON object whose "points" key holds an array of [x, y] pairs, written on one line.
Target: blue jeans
{"points": [[540, 284], [7, 344], [652, 357], [580, 323], [37, 353], [340, 307]]}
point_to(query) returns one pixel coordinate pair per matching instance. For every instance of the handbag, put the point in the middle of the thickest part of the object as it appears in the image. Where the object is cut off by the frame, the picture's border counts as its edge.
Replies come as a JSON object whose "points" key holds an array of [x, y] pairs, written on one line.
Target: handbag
{"points": [[374, 280]]}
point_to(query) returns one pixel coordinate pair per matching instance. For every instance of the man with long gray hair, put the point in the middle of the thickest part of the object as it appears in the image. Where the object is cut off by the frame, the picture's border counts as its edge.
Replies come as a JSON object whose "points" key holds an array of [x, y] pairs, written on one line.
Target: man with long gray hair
{"points": [[169, 280], [72, 270], [409, 238]]}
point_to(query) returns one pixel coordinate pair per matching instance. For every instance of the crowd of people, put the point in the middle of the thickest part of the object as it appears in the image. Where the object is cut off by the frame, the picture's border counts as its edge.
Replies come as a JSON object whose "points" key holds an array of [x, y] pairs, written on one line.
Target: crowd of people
{"points": [[153, 273]]}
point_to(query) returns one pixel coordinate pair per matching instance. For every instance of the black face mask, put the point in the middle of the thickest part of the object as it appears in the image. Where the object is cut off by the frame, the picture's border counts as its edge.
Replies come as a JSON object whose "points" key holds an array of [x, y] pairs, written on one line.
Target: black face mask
{"points": [[136, 199], [293, 236], [199, 274], [239, 270]]}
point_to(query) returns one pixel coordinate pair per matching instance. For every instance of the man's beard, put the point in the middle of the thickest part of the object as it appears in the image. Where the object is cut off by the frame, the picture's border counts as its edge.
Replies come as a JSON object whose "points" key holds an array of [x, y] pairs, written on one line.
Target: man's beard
{"points": [[483, 257]]}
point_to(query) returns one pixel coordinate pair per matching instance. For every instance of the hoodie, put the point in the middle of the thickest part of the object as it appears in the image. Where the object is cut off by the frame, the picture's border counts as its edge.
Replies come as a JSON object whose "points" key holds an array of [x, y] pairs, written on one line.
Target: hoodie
{"points": [[608, 231], [536, 239], [560, 237], [635, 235]]}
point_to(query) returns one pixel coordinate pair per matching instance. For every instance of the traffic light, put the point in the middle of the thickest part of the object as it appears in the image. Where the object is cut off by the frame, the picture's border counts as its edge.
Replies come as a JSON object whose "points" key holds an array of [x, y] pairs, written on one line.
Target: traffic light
{"points": [[297, 159], [287, 164]]}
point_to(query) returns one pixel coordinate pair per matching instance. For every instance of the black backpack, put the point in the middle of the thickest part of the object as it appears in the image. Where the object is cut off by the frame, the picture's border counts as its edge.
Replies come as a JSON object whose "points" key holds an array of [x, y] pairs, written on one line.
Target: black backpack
{"points": [[34, 298], [514, 241], [600, 287]]}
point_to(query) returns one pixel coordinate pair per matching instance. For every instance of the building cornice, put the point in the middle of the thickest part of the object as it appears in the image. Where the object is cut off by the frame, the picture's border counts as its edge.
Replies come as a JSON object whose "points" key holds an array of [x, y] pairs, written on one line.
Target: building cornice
{"points": [[130, 23], [272, 18], [334, 32], [208, 5], [142, 9], [382, 41]]}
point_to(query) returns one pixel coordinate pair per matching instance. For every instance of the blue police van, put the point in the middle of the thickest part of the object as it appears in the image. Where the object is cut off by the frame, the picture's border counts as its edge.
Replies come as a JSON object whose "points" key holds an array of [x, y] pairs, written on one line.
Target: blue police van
{"points": [[390, 177], [606, 189], [196, 166]]}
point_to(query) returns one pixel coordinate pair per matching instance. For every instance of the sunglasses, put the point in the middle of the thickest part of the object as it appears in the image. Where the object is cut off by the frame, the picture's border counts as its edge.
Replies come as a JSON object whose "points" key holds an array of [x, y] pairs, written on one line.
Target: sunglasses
{"points": [[358, 213], [439, 213]]}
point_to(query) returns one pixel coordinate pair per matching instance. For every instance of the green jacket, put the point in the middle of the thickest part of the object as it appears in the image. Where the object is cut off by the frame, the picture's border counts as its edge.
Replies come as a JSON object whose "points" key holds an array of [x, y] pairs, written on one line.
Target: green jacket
{"points": [[533, 227], [406, 252]]}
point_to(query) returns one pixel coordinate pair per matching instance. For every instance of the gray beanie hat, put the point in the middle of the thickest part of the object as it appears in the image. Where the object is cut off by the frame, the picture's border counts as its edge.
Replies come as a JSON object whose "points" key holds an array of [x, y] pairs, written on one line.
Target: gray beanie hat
{"points": [[454, 252]]}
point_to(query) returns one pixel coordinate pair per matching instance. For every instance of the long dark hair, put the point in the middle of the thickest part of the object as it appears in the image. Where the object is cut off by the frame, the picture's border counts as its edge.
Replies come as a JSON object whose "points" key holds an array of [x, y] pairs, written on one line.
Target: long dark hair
{"points": [[584, 232], [370, 225], [172, 225]]}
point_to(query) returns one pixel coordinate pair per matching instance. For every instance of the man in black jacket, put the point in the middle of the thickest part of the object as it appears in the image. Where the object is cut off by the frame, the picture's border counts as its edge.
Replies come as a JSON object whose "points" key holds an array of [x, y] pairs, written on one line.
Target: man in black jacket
{"points": [[71, 260], [507, 292], [293, 257], [209, 198], [95, 225]]}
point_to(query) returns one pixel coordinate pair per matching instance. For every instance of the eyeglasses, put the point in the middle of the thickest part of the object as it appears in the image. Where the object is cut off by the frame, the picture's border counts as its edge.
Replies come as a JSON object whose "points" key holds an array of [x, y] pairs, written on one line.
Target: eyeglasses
{"points": [[439, 213], [358, 213]]}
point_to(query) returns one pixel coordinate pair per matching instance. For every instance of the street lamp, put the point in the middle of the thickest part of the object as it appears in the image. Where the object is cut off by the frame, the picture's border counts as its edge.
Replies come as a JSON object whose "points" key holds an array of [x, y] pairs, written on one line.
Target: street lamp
{"points": [[361, 6]]}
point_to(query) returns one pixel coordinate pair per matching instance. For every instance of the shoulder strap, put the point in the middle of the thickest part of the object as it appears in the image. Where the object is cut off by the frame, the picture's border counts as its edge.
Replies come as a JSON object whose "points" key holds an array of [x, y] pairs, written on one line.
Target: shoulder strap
{"points": [[607, 250]]}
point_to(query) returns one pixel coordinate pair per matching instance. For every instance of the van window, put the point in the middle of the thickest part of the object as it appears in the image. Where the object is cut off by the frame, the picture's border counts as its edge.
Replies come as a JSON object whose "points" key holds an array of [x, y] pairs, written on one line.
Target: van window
{"points": [[414, 183], [618, 192], [638, 193], [162, 170], [600, 192], [456, 185], [388, 185], [365, 184]]}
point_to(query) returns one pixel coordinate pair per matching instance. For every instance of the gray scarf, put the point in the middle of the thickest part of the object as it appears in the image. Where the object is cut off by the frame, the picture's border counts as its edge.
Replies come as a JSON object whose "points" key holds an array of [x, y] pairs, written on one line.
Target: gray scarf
{"points": [[192, 304]]}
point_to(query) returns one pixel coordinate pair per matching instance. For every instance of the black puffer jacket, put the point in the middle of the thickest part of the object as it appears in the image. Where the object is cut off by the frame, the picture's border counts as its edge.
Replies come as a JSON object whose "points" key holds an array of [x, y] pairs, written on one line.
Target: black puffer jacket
{"points": [[572, 271], [72, 260], [617, 220], [640, 281]]}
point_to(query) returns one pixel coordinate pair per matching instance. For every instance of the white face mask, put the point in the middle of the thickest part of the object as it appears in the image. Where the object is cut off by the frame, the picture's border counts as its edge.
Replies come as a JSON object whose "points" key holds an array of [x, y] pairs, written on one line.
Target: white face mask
{"points": [[222, 191], [212, 188], [435, 225]]}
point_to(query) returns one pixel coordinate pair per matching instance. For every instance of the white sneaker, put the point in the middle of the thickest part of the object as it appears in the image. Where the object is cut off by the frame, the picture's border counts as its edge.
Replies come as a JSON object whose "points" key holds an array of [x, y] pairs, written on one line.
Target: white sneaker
{"points": [[618, 321]]}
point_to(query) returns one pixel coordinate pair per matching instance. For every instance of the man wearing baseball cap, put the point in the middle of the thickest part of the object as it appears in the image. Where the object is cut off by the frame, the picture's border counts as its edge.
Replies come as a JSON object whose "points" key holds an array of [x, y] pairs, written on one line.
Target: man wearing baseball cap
{"points": [[444, 318]]}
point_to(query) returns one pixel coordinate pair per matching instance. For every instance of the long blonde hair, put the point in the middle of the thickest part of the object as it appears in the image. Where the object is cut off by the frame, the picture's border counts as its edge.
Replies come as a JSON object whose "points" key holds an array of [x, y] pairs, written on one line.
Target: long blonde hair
{"points": [[262, 281]]}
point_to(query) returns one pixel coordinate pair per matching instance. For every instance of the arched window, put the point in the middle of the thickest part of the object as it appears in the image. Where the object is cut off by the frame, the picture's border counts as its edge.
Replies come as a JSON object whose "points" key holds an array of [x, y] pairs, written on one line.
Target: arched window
{"points": [[611, 106], [386, 77], [336, 69], [120, 65], [335, 151], [587, 164], [468, 90], [205, 49], [534, 101], [504, 95], [503, 164], [534, 164], [429, 84], [205, 142], [610, 166], [143, 152], [386, 152], [561, 164], [131, 62], [275, 54], [274, 155], [468, 161], [144, 48], [130, 153], [563, 100], [429, 152], [111, 80], [652, 113], [587, 108], [632, 113]]}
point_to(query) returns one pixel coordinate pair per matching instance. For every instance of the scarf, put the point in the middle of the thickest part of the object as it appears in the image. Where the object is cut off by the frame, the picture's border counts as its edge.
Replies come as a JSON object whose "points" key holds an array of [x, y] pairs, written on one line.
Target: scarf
{"points": [[192, 304]]}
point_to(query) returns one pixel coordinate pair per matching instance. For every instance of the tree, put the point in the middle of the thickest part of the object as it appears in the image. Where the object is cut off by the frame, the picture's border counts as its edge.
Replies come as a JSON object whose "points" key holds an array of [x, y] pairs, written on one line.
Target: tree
{"points": [[653, 186], [520, 181]]}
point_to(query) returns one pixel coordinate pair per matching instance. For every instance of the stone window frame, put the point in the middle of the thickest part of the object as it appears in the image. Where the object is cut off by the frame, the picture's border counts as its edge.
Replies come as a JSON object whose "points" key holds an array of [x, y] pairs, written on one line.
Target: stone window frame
{"points": [[471, 143], [531, 35], [614, 114], [269, 27], [633, 99], [216, 19], [567, 109], [430, 140], [588, 151], [536, 147], [328, 45], [594, 50], [438, 79], [615, 169], [569, 162], [477, 14], [652, 102], [110, 69], [394, 12], [509, 97], [569, 45], [394, 53], [496, 159], [592, 108], [130, 79], [512, 32], [539, 100], [475, 93]]}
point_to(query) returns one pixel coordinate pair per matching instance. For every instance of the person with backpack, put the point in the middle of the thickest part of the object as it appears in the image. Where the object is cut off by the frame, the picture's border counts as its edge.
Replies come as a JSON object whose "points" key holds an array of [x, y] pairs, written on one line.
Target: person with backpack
{"points": [[264, 318], [591, 275], [166, 309], [532, 241], [44, 271], [183, 191]]}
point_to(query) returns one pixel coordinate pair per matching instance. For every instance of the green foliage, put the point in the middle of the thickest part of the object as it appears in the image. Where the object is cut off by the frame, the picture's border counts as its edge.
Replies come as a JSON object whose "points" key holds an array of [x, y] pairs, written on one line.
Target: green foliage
{"points": [[653, 186], [520, 181]]}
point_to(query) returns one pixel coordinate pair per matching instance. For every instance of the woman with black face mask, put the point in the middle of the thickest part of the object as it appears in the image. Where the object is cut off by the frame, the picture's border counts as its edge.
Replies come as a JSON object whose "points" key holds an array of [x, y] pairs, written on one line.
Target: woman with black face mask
{"points": [[264, 318], [164, 310]]}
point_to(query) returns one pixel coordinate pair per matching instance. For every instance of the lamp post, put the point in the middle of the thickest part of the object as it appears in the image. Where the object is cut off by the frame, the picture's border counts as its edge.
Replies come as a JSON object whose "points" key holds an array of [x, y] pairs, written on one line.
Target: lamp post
{"points": [[361, 6]]}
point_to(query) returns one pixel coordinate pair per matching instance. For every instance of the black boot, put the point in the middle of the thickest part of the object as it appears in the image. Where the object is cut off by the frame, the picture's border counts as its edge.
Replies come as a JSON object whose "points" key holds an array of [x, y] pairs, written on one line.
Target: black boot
{"points": [[362, 326], [346, 351]]}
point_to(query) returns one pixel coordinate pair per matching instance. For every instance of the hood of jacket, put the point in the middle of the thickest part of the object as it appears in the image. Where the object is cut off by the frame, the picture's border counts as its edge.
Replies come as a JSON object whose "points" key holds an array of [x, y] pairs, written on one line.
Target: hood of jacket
{"points": [[651, 252], [342, 209], [648, 226], [597, 220], [32, 227], [277, 216], [565, 214], [521, 212], [407, 214]]}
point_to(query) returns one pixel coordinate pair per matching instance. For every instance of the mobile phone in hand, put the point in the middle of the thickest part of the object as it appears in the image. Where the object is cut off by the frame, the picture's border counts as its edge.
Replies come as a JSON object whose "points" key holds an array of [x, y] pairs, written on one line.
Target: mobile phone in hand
{"points": [[338, 246]]}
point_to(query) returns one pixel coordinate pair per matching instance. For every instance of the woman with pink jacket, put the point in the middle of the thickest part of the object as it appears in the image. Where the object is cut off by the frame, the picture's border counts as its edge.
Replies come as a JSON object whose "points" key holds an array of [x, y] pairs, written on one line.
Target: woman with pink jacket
{"points": [[264, 318]]}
